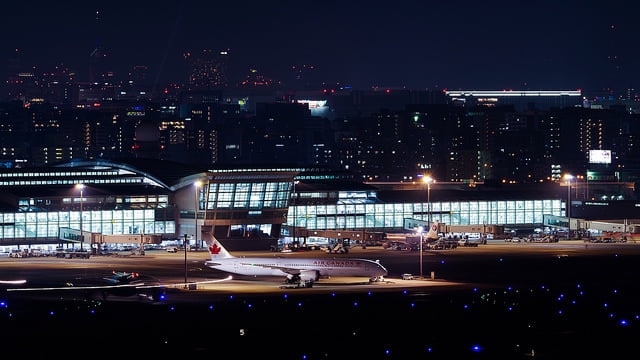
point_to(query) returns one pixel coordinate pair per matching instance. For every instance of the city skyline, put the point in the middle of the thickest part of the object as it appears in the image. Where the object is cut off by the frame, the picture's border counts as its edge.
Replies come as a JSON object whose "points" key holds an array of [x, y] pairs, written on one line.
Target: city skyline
{"points": [[496, 45]]}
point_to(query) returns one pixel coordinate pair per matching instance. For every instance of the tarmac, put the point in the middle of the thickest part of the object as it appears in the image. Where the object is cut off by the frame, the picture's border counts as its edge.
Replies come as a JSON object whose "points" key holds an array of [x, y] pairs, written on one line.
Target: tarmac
{"points": [[563, 300]]}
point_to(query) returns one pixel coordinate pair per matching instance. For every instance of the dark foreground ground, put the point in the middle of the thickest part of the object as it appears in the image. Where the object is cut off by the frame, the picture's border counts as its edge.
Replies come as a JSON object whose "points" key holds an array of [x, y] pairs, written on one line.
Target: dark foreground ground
{"points": [[528, 307]]}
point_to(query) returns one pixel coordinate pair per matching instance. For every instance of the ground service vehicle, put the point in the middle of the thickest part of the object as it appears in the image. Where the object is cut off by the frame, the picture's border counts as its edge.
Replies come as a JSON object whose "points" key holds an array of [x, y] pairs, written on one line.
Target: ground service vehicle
{"points": [[73, 254]]}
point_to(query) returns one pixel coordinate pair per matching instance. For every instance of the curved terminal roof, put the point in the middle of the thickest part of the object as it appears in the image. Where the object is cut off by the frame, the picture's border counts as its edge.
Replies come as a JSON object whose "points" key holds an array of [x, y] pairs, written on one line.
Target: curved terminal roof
{"points": [[165, 173], [119, 176]]}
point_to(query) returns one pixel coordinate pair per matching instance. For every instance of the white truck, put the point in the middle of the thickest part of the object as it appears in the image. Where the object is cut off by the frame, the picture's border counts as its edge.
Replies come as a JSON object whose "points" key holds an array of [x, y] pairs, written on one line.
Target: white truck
{"points": [[469, 242], [72, 254]]}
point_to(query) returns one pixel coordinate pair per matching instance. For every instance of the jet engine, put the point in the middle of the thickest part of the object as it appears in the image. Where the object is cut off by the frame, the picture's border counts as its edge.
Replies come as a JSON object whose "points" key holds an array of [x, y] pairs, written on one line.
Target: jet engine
{"points": [[309, 275]]}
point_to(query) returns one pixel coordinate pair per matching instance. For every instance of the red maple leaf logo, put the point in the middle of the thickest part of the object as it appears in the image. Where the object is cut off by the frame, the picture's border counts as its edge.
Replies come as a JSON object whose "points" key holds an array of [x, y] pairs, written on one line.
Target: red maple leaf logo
{"points": [[214, 249], [434, 227]]}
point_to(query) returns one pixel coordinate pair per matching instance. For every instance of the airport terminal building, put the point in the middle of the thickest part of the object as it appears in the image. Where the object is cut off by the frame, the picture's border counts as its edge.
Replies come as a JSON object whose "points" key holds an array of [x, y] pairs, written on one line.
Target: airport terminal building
{"points": [[97, 204]]}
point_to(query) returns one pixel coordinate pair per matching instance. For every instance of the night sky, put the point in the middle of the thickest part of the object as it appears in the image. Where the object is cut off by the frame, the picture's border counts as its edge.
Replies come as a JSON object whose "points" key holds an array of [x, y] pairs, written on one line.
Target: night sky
{"points": [[566, 44]]}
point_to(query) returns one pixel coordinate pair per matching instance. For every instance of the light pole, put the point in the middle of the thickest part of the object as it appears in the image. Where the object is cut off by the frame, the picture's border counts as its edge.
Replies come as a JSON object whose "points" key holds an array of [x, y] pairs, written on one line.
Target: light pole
{"points": [[586, 182], [421, 229], [428, 180], [568, 177], [81, 188], [197, 185], [185, 260], [295, 212]]}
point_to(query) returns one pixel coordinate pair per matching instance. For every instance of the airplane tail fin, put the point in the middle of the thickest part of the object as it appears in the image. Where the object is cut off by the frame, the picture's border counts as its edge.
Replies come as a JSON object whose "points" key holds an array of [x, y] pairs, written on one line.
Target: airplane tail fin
{"points": [[433, 232], [216, 250]]}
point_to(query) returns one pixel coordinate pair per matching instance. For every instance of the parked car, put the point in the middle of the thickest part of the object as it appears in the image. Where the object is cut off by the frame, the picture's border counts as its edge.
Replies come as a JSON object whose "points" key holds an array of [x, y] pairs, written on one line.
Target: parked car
{"points": [[407, 277]]}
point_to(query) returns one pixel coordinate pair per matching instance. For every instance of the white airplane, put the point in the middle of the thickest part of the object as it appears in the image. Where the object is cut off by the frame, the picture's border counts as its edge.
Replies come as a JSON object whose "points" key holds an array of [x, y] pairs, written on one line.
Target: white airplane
{"points": [[432, 234], [296, 270]]}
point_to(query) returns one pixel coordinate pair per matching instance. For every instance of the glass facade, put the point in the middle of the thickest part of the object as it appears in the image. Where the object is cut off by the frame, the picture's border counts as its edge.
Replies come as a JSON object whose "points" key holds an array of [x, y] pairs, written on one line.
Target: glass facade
{"points": [[391, 216], [256, 196], [248, 195], [46, 225], [237, 201]]}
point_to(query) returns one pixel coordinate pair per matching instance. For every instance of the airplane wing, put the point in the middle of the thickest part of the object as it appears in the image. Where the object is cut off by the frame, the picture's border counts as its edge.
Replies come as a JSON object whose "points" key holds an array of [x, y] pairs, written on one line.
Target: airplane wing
{"points": [[293, 275], [285, 269]]}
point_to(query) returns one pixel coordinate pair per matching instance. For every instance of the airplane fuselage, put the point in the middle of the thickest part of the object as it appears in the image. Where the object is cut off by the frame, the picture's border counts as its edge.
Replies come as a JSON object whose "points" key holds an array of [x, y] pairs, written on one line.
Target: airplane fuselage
{"points": [[282, 266]]}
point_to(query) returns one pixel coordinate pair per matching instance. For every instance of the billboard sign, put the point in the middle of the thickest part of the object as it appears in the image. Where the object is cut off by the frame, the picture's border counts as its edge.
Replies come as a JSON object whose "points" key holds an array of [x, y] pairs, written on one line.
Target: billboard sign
{"points": [[600, 156]]}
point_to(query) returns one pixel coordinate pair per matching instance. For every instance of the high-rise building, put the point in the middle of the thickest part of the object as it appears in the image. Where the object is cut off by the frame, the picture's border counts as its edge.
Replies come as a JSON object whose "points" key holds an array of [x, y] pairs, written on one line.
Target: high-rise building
{"points": [[207, 69]]}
